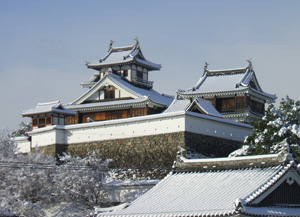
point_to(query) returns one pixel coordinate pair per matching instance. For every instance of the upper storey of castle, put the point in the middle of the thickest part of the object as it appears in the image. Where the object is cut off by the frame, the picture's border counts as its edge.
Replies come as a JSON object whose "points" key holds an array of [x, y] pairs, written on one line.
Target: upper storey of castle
{"points": [[128, 62]]}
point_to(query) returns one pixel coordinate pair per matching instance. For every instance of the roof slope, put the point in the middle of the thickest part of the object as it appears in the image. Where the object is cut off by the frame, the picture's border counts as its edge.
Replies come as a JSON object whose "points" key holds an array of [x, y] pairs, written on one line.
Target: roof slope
{"points": [[229, 80], [54, 107], [123, 55], [205, 106], [211, 191], [120, 82]]}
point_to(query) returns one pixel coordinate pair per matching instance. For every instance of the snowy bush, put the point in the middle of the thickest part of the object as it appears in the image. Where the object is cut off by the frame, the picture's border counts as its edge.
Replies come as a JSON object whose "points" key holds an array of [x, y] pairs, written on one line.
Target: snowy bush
{"points": [[33, 182], [277, 125]]}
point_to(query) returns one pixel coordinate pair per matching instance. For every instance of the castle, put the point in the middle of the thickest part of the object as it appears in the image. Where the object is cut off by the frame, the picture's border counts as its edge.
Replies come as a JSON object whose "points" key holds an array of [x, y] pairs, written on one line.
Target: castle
{"points": [[121, 114]]}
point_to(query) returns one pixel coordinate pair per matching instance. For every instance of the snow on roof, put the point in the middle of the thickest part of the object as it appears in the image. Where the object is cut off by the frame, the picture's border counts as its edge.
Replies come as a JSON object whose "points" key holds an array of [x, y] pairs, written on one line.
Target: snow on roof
{"points": [[178, 105], [229, 80], [108, 104], [272, 211], [215, 82], [208, 107], [208, 192], [55, 107], [148, 63], [155, 96], [185, 104], [124, 55], [115, 183], [137, 91]]}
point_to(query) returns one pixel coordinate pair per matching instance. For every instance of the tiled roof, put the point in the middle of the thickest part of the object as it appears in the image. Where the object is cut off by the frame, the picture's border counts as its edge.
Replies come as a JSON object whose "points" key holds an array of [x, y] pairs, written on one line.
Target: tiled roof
{"points": [[215, 82], [230, 80], [185, 104], [54, 107], [126, 103], [123, 55], [210, 192]]}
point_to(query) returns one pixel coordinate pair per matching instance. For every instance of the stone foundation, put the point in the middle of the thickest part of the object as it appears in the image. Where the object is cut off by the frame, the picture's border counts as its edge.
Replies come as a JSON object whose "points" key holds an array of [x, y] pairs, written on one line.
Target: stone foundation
{"points": [[147, 152]]}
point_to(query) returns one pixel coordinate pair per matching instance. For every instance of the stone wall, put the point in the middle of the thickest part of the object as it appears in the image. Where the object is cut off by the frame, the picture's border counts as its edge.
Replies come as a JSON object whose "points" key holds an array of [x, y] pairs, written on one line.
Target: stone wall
{"points": [[146, 152]]}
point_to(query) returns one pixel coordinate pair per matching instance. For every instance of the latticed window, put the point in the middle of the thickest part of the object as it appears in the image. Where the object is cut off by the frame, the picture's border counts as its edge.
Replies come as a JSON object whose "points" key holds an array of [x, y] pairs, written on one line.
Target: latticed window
{"points": [[240, 102], [226, 104], [109, 94], [257, 107]]}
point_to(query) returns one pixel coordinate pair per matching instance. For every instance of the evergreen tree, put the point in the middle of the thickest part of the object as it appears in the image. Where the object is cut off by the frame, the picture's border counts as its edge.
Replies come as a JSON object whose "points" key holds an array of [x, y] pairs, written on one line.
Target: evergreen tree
{"points": [[277, 125]]}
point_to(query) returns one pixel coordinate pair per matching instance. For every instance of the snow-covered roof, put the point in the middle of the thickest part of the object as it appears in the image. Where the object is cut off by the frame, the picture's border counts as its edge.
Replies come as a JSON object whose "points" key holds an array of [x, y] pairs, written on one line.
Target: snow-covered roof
{"points": [[91, 81], [48, 107], [122, 56], [185, 105], [115, 183], [219, 187], [228, 80], [107, 105], [122, 83]]}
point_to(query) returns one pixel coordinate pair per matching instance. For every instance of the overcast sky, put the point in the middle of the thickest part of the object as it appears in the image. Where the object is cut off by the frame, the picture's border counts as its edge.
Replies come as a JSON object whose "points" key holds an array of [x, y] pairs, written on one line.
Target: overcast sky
{"points": [[44, 45]]}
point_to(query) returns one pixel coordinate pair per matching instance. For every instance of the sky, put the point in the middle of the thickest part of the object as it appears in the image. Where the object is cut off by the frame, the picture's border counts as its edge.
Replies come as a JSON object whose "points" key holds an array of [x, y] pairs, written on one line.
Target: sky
{"points": [[45, 44]]}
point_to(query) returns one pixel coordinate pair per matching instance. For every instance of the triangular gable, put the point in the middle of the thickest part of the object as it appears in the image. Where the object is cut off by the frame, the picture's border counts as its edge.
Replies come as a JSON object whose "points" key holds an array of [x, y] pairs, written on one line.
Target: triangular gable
{"points": [[203, 107], [283, 189], [106, 82], [250, 80]]}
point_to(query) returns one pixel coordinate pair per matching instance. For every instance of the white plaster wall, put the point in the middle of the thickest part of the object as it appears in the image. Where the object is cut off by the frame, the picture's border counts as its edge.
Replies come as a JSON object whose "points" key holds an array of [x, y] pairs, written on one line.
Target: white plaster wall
{"points": [[140, 126], [43, 136], [124, 93], [55, 120], [61, 120], [23, 145], [124, 128], [117, 93], [197, 124], [102, 94], [95, 96]]}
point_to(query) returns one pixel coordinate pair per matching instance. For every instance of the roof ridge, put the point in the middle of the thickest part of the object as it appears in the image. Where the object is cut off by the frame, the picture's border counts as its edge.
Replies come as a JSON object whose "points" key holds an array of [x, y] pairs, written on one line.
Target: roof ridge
{"points": [[235, 70], [128, 47], [48, 103], [184, 164]]}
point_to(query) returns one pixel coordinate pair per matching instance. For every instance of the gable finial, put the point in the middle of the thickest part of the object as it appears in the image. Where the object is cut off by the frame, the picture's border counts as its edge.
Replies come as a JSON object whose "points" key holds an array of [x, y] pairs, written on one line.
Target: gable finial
{"points": [[111, 43], [250, 63], [137, 40], [205, 66]]}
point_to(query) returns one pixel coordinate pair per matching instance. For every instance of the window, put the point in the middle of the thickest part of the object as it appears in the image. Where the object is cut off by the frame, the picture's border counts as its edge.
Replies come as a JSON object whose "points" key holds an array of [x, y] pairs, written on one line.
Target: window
{"points": [[34, 122], [42, 122], [138, 112], [226, 104], [257, 107], [109, 94], [48, 120], [240, 102], [139, 74], [125, 73]]}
